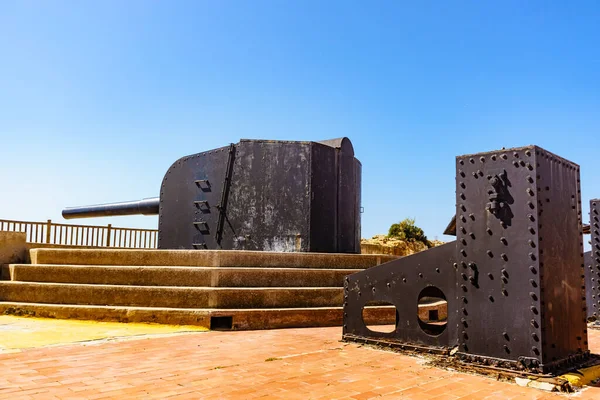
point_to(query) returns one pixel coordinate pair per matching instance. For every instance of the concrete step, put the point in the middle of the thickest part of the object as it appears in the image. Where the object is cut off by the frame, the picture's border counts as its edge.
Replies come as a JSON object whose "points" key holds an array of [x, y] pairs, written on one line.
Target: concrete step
{"points": [[177, 276], [235, 319], [205, 258], [170, 296], [211, 288]]}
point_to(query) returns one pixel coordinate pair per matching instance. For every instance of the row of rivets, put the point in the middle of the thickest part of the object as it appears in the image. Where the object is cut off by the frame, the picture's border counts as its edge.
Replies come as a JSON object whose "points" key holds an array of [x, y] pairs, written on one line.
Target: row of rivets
{"points": [[533, 257], [461, 208], [596, 261]]}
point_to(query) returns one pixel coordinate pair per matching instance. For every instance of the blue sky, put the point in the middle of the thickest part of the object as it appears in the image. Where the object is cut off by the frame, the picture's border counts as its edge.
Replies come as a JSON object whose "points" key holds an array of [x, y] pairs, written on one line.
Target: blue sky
{"points": [[97, 99]]}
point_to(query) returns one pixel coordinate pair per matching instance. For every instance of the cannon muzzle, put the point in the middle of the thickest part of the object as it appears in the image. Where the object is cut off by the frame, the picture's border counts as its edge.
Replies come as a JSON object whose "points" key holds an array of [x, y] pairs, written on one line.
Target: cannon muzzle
{"points": [[137, 207]]}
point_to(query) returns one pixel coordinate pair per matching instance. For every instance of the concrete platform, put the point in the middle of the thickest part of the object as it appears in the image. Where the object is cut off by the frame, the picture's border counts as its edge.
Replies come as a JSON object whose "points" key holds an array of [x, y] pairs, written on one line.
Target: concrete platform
{"points": [[219, 319], [213, 289], [205, 258], [177, 276], [170, 296]]}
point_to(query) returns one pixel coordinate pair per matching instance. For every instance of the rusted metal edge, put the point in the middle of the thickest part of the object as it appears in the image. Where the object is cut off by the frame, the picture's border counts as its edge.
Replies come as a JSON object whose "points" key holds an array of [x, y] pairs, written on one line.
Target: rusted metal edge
{"points": [[531, 366], [485, 365], [396, 345], [451, 228]]}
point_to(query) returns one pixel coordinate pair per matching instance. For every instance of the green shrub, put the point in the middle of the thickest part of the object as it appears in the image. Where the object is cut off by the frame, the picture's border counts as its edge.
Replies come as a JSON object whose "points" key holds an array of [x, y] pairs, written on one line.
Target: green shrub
{"points": [[407, 230]]}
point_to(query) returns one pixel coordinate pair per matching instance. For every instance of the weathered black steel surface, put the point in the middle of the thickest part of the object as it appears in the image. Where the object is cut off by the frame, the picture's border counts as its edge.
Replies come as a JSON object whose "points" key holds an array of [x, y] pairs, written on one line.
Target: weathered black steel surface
{"points": [[560, 253], [137, 207], [591, 287], [400, 282], [528, 304], [222, 206], [518, 276], [451, 228], [264, 195], [592, 264]]}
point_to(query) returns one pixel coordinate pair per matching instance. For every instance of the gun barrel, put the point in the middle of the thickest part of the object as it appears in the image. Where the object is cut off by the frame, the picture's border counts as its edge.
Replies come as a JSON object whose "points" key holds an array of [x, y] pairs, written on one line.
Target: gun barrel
{"points": [[137, 207]]}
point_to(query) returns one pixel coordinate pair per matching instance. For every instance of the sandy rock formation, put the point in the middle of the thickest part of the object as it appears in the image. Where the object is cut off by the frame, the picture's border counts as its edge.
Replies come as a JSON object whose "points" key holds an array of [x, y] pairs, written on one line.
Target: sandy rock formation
{"points": [[382, 244]]}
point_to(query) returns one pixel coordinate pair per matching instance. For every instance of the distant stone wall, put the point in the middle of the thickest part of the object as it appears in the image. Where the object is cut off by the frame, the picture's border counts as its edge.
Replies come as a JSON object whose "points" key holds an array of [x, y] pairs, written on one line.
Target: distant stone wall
{"points": [[440, 306], [13, 248], [396, 249], [381, 244]]}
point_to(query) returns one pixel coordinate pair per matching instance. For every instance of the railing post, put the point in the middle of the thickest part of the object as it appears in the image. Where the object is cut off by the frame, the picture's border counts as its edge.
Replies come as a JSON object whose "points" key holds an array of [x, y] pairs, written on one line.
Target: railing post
{"points": [[108, 229], [48, 225]]}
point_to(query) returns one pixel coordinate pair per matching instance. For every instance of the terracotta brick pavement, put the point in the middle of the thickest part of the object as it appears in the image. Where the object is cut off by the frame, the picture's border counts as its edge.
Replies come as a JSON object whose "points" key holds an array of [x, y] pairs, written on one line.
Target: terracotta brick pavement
{"points": [[276, 364]]}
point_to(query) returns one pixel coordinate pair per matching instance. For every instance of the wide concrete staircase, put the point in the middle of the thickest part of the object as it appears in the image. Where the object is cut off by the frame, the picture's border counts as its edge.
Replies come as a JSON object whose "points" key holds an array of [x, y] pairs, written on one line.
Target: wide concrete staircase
{"points": [[215, 289]]}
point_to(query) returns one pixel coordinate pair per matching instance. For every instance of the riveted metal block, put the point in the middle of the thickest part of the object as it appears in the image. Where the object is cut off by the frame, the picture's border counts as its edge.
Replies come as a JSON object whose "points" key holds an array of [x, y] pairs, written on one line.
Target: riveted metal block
{"points": [[510, 232], [529, 242], [591, 263]]}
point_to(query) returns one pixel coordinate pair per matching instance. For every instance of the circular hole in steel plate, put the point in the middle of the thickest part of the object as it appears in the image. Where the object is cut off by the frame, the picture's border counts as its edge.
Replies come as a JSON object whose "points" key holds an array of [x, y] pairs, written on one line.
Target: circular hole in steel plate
{"points": [[432, 310]]}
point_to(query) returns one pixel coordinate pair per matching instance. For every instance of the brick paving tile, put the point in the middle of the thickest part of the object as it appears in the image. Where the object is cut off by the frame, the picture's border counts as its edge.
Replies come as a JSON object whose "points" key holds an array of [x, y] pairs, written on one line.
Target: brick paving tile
{"points": [[276, 364], [475, 395], [445, 396], [365, 396]]}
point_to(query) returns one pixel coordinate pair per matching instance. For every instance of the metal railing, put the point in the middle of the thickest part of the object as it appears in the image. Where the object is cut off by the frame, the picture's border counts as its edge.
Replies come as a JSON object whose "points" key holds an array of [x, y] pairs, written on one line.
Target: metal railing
{"points": [[83, 235]]}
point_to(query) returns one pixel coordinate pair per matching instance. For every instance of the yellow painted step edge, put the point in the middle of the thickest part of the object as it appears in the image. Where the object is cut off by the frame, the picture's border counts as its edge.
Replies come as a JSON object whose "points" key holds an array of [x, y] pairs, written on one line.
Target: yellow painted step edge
{"points": [[583, 376]]}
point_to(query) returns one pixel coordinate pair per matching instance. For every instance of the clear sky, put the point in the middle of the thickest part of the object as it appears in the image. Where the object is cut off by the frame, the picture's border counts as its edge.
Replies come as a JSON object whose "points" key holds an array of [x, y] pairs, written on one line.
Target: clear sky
{"points": [[97, 99]]}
